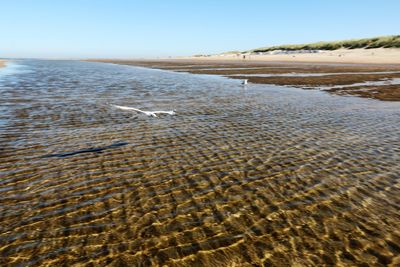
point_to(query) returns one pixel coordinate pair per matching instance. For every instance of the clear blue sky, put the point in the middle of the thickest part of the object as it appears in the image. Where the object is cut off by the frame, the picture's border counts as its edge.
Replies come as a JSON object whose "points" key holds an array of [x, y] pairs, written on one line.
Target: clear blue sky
{"points": [[151, 28]]}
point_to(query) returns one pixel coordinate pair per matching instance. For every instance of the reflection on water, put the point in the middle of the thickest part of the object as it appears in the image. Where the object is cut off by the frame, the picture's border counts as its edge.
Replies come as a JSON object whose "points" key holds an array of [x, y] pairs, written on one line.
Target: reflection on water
{"points": [[262, 175], [11, 68]]}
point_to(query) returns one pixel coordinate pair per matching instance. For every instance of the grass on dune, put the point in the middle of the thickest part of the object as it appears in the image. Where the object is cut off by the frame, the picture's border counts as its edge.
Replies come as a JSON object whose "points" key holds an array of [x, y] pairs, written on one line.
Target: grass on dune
{"points": [[392, 41]]}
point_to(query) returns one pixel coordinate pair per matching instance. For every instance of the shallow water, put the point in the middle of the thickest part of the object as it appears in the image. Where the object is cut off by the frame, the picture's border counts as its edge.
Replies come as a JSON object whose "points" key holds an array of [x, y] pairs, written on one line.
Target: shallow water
{"points": [[387, 81], [296, 74], [241, 175], [231, 68]]}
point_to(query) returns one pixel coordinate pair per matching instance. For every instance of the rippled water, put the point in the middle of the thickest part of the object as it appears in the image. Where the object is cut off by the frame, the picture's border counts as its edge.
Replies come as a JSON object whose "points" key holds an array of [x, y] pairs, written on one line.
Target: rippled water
{"points": [[250, 176]]}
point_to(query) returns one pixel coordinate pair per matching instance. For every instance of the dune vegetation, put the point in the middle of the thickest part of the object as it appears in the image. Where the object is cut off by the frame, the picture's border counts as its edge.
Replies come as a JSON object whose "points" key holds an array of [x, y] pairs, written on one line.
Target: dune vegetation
{"points": [[392, 41]]}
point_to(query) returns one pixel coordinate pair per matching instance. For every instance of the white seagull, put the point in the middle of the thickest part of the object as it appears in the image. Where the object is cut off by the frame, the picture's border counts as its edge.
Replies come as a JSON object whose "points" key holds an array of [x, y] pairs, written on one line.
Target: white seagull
{"points": [[148, 113], [245, 81]]}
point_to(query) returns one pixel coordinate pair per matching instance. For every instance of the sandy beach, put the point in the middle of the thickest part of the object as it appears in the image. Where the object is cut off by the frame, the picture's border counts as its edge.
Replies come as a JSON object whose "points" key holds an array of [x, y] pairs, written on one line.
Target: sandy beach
{"points": [[373, 56], [367, 73], [2, 63]]}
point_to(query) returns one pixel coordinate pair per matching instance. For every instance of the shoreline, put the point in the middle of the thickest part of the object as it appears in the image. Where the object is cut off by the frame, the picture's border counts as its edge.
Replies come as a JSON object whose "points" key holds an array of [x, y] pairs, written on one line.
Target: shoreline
{"points": [[377, 81]]}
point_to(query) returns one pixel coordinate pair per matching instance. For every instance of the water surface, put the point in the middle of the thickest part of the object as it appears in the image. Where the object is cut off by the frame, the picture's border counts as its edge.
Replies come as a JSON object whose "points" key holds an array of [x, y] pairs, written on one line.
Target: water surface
{"points": [[241, 176]]}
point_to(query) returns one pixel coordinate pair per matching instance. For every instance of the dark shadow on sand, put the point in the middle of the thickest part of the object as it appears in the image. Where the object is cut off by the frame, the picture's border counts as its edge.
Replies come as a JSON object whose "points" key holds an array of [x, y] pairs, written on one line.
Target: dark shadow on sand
{"points": [[88, 150]]}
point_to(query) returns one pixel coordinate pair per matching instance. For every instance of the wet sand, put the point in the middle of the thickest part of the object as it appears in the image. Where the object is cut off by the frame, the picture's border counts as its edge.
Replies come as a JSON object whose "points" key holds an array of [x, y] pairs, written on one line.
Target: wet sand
{"points": [[336, 74], [2, 63]]}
